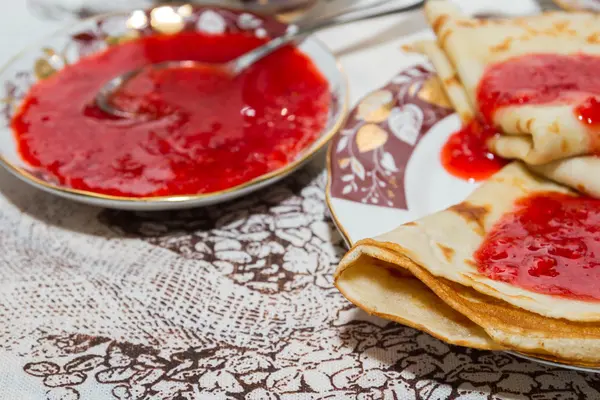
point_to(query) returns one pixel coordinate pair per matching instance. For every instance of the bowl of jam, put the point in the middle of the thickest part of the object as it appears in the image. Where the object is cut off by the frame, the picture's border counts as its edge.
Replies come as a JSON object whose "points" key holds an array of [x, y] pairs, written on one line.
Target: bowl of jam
{"points": [[205, 138]]}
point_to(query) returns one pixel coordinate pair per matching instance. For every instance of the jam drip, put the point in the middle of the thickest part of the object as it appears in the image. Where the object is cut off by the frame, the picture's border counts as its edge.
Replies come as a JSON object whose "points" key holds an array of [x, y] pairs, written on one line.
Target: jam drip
{"points": [[466, 155]]}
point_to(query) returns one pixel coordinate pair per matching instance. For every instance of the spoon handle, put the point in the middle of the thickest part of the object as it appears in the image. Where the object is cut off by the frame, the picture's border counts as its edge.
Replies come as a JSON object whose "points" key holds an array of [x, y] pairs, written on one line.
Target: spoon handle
{"points": [[296, 32]]}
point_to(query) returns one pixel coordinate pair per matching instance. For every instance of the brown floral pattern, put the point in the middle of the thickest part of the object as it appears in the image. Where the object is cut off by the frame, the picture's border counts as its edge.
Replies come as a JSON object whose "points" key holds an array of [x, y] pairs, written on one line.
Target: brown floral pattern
{"points": [[162, 317], [368, 156], [355, 360], [278, 241]]}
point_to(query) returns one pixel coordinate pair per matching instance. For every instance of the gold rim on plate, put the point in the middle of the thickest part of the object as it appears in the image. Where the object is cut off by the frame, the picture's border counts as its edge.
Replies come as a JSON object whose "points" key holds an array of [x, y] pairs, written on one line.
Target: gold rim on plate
{"points": [[328, 198]]}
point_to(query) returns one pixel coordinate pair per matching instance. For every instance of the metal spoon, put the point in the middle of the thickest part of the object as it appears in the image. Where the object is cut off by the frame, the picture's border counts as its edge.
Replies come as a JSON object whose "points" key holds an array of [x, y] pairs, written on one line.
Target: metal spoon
{"points": [[239, 64]]}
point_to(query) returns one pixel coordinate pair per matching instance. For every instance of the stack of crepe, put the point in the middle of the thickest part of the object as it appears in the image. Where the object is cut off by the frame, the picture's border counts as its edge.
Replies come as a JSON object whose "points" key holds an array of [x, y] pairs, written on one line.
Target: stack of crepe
{"points": [[423, 273]]}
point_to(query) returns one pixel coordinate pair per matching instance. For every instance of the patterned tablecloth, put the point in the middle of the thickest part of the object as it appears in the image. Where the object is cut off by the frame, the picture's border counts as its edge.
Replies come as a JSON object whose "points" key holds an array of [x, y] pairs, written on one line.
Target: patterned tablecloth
{"points": [[228, 302]]}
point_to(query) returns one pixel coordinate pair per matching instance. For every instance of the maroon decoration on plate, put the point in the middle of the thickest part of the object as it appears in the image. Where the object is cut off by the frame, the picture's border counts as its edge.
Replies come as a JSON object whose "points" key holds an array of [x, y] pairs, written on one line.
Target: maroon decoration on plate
{"points": [[369, 155]]}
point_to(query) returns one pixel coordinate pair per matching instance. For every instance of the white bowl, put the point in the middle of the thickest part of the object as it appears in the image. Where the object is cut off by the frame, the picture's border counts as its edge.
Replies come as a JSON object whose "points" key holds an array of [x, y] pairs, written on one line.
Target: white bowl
{"points": [[65, 46]]}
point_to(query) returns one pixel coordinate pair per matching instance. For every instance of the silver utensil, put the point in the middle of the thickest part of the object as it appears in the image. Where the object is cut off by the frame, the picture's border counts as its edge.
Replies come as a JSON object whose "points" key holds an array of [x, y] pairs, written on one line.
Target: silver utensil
{"points": [[239, 64]]}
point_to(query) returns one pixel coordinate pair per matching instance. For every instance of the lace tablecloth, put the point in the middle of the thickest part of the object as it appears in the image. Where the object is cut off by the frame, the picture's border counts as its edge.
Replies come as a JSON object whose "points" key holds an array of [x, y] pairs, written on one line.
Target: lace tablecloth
{"points": [[229, 302]]}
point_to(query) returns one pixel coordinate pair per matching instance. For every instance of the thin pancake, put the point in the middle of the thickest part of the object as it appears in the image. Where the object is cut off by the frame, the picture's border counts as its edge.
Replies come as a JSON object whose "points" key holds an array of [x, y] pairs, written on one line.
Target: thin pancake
{"points": [[510, 327], [447, 75], [580, 173], [576, 172], [390, 294], [536, 134], [444, 243]]}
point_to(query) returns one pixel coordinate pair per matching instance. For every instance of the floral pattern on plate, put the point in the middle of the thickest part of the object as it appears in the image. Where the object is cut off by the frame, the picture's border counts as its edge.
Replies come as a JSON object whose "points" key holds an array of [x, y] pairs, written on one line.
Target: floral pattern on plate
{"points": [[369, 155]]}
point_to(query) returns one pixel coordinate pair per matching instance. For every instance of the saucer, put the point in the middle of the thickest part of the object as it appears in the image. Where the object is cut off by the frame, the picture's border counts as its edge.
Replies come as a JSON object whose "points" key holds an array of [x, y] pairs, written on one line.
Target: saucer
{"points": [[96, 34]]}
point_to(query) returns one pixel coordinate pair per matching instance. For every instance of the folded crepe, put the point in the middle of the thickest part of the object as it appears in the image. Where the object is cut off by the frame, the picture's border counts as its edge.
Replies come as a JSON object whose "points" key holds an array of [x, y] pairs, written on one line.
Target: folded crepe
{"points": [[536, 134], [423, 274], [548, 137]]}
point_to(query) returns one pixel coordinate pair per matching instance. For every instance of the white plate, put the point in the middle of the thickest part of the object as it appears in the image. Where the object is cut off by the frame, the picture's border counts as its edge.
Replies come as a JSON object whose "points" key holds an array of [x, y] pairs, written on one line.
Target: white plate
{"points": [[384, 167], [50, 55]]}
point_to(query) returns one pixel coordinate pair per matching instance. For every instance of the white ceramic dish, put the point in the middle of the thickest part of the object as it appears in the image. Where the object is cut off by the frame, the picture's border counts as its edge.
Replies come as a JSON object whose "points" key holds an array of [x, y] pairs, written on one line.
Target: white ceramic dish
{"points": [[384, 167], [97, 33]]}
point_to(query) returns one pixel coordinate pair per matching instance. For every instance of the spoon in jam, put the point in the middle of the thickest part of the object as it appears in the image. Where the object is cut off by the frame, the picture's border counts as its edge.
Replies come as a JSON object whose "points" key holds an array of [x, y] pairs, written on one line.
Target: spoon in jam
{"points": [[241, 63]]}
